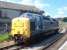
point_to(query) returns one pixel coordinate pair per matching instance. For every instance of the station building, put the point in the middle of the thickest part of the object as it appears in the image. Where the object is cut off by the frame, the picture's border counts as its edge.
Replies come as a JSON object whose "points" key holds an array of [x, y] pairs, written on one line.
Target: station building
{"points": [[9, 11]]}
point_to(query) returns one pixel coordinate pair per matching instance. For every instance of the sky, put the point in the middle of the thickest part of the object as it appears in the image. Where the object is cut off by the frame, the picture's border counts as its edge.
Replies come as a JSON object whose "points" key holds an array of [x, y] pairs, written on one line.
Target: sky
{"points": [[54, 8]]}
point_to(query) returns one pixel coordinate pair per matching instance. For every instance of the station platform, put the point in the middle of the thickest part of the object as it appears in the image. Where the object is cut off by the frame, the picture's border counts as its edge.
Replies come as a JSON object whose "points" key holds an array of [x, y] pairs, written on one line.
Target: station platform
{"points": [[64, 46], [61, 44]]}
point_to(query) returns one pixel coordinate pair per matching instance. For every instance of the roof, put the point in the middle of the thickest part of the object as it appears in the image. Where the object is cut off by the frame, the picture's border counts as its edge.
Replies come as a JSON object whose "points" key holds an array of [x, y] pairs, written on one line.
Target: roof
{"points": [[18, 6]]}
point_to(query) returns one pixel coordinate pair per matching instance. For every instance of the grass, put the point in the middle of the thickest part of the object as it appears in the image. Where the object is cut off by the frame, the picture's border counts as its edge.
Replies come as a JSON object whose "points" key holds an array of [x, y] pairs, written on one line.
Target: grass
{"points": [[4, 37]]}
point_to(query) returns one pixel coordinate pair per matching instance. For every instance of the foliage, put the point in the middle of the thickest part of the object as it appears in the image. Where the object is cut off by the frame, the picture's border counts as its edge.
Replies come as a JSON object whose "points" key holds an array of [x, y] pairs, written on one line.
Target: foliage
{"points": [[4, 37], [48, 16], [65, 19]]}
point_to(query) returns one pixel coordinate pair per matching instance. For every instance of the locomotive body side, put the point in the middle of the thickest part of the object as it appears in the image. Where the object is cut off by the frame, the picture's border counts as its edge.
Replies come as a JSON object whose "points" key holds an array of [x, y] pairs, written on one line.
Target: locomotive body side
{"points": [[42, 24]]}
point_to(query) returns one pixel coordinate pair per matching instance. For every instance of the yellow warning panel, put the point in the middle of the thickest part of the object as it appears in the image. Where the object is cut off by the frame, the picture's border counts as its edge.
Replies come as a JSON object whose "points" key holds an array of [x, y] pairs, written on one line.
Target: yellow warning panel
{"points": [[21, 25]]}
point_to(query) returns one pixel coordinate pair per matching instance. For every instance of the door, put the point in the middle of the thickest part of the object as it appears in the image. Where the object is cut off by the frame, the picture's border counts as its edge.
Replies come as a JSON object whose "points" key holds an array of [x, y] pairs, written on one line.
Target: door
{"points": [[46, 23]]}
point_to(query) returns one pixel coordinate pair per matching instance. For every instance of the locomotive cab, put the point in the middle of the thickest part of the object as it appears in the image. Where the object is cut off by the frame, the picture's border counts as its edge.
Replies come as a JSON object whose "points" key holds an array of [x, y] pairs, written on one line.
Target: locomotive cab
{"points": [[26, 27]]}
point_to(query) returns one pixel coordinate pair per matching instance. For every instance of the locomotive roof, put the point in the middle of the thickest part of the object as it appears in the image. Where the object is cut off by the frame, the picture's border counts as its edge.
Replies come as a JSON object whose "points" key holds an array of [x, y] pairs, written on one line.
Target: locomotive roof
{"points": [[30, 14]]}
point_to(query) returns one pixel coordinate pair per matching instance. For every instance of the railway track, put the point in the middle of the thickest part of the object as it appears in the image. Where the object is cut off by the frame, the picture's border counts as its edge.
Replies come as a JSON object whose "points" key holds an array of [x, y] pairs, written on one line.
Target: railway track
{"points": [[38, 46], [47, 42], [12, 47]]}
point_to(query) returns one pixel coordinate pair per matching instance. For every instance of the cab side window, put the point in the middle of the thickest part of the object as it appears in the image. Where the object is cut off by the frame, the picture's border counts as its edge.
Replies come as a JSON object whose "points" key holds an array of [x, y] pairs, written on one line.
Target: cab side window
{"points": [[32, 24]]}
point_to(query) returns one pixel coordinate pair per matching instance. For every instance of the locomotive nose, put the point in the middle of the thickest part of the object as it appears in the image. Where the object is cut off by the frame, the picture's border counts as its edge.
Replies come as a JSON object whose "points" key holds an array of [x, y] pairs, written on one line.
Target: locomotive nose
{"points": [[20, 28]]}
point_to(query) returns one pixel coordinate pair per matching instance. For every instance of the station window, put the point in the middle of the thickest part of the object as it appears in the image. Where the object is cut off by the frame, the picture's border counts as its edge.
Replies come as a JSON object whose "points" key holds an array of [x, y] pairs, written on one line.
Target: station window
{"points": [[0, 13]]}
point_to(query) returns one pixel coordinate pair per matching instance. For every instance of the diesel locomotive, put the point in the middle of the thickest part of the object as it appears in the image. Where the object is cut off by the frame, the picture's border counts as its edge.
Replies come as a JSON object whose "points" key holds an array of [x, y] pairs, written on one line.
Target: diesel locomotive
{"points": [[30, 25]]}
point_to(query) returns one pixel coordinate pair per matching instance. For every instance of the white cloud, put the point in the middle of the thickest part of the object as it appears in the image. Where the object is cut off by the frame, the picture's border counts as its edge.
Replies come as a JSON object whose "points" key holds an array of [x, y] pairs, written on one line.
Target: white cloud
{"points": [[61, 12], [65, 8], [47, 14], [13, 1], [27, 2], [41, 5], [2, 0]]}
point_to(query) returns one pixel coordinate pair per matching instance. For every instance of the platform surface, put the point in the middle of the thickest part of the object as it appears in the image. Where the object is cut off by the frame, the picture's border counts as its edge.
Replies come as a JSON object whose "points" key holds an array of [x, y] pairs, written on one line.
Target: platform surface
{"points": [[61, 44]]}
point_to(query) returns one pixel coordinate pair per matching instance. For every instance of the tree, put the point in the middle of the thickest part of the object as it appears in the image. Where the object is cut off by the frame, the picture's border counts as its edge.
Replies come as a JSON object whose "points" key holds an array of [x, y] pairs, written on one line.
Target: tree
{"points": [[48, 16], [65, 19]]}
